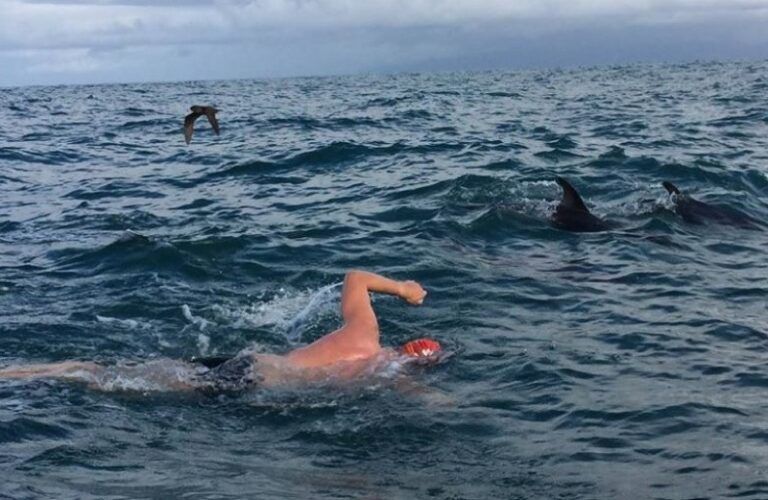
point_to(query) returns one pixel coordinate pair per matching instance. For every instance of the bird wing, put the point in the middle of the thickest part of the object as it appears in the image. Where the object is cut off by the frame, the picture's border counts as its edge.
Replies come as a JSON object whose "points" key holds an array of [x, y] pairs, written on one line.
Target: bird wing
{"points": [[211, 114], [189, 123]]}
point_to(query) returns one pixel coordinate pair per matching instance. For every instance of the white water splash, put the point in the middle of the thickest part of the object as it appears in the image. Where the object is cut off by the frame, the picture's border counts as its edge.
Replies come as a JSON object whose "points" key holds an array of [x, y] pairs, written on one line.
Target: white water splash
{"points": [[201, 322], [533, 198], [289, 312], [203, 340], [130, 324], [322, 301], [160, 375], [203, 343]]}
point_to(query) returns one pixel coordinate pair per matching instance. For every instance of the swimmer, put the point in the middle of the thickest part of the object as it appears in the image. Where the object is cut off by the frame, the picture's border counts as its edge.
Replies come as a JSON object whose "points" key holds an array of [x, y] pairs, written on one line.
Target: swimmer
{"points": [[350, 352]]}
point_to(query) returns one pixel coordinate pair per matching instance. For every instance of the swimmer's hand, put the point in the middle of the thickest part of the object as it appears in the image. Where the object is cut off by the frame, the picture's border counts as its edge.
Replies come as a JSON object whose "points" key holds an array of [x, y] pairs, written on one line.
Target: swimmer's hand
{"points": [[412, 292]]}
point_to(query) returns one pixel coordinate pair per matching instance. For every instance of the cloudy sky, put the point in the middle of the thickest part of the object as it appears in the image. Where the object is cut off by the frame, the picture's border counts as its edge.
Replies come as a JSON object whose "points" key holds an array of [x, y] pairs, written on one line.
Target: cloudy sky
{"points": [[94, 41]]}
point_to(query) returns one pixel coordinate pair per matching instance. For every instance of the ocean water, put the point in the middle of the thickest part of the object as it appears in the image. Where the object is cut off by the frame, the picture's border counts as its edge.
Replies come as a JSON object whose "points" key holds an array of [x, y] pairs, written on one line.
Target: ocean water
{"points": [[628, 364]]}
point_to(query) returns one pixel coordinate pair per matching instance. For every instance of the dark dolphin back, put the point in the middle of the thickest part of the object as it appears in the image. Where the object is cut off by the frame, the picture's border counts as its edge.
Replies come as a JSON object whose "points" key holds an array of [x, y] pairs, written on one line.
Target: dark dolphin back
{"points": [[571, 199], [697, 212], [573, 215], [671, 188]]}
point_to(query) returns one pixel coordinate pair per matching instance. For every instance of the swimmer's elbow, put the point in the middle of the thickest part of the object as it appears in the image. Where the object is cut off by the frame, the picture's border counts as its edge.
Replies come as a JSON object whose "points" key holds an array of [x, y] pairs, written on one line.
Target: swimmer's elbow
{"points": [[356, 279], [354, 275]]}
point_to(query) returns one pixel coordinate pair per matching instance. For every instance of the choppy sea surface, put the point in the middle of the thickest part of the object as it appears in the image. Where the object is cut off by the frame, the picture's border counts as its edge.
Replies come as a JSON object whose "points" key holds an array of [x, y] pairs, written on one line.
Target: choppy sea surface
{"points": [[628, 364]]}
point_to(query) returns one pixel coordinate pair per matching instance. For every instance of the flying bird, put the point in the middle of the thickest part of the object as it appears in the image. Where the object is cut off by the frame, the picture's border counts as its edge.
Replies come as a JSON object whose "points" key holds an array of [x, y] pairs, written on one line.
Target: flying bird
{"points": [[198, 111]]}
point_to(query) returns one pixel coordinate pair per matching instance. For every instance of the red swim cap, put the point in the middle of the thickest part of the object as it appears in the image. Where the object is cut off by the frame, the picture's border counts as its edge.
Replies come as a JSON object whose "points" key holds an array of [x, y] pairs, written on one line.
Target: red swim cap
{"points": [[421, 348]]}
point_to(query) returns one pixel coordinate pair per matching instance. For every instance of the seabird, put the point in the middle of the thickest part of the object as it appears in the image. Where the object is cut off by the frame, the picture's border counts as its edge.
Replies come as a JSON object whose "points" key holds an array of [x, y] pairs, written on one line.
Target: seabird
{"points": [[197, 111]]}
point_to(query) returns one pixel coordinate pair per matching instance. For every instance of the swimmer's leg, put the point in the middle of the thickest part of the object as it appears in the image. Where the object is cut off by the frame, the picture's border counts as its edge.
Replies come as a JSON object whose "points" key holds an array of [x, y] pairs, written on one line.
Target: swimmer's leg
{"points": [[159, 375], [63, 370]]}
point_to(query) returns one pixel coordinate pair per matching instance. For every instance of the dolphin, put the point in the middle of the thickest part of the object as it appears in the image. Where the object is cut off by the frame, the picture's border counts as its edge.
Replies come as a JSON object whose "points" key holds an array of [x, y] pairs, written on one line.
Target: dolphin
{"points": [[573, 215], [198, 111], [698, 212]]}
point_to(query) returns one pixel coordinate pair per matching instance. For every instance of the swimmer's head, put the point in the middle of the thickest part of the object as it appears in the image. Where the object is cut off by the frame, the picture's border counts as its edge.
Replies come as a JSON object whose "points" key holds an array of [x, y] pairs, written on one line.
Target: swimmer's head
{"points": [[421, 348]]}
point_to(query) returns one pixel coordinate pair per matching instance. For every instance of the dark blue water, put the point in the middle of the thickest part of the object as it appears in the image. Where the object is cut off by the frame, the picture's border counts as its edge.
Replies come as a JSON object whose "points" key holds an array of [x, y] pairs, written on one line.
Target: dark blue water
{"points": [[621, 364]]}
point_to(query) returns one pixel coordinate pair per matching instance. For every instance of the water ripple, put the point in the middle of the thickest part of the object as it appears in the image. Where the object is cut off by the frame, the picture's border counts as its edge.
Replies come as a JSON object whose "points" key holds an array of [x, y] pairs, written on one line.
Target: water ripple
{"points": [[622, 364]]}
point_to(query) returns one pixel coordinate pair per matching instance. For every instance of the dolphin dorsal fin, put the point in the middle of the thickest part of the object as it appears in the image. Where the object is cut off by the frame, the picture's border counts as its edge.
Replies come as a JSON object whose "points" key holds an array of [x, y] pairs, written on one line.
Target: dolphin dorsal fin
{"points": [[571, 199], [671, 188]]}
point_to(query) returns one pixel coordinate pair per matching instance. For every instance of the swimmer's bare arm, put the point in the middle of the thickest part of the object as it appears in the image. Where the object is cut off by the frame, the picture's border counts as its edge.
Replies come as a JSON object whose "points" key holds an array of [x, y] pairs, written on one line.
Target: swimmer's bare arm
{"points": [[359, 337], [356, 306]]}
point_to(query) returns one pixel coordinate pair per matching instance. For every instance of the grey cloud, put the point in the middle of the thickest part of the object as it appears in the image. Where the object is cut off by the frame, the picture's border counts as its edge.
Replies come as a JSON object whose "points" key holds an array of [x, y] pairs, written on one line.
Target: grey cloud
{"points": [[123, 40], [89, 23], [145, 3]]}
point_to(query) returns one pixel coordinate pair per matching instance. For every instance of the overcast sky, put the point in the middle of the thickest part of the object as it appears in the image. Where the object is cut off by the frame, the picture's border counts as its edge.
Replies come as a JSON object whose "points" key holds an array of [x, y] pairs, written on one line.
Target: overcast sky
{"points": [[93, 41]]}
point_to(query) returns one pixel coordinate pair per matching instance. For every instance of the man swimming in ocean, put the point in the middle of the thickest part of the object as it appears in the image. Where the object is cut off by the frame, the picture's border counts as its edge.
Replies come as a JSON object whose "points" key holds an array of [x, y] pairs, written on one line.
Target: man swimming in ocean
{"points": [[347, 353]]}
